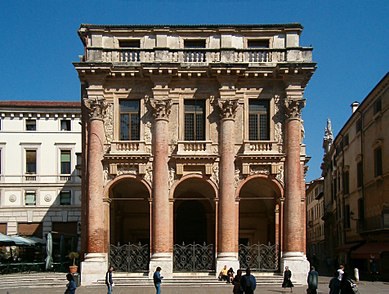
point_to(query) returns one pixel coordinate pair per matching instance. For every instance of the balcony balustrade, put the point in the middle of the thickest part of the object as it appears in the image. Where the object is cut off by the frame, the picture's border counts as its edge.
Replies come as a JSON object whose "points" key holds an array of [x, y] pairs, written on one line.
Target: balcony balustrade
{"points": [[194, 148], [128, 147], [199, 56], [259, 147]]}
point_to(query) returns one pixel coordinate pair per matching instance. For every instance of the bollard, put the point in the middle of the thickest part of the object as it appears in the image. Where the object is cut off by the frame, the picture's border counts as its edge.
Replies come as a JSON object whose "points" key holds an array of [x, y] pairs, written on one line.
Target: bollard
{"points": [[356, 274]]}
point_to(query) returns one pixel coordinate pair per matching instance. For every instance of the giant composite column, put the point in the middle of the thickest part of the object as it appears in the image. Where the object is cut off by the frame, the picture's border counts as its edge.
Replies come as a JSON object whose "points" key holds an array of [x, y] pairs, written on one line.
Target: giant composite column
{"points": [[227, 228], [96, 260], [161, 243], [294, 233]]}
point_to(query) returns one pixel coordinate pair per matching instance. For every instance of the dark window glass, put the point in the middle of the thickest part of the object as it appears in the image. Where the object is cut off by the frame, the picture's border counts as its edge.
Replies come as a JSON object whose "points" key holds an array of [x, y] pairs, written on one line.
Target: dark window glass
{"points": [[377, 106], [194, 43], [258, 43], [194, 120], [31, 125], [359, 174], [129, 43], [129, 120], [346, 182], [65, 162], [378, 162], [347, 217], [31, 161], [358, 125], [259, 120], [65, 198], [30, 198], [65, 125]]}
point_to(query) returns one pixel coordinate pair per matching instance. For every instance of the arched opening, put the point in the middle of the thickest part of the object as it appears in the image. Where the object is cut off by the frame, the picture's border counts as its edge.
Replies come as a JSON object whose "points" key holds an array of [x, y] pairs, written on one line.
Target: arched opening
{"points": [[129, 212]]}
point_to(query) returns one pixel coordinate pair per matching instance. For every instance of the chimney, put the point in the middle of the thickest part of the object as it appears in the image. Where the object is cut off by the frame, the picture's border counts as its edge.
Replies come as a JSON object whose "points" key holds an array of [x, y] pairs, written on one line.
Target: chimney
{"points": [[354, 106]]}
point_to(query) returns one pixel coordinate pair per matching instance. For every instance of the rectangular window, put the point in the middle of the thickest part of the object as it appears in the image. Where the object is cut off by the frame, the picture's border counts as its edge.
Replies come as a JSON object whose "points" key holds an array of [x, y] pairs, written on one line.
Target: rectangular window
{"points": [[65, 162], [359, 174], [346, 182], [65, 198], [378, 162], [358, 125], [30, 198], [194, 43], [258, 44], [65, 125], [345, 140], [377, 106], [259, 120], [31, 161], [30, 125], [133, 43], [129, 120], [194, 120]]}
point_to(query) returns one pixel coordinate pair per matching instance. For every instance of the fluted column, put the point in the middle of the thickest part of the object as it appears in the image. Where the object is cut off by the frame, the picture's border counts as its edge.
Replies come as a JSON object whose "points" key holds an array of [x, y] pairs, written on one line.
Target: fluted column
{"points": [[294, 233], [162, 251], [227, 233]]}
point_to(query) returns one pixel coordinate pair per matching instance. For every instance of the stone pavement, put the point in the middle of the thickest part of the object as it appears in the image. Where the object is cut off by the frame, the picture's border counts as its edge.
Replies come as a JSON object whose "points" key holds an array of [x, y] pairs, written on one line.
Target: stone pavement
{"points": [[364, 288]]}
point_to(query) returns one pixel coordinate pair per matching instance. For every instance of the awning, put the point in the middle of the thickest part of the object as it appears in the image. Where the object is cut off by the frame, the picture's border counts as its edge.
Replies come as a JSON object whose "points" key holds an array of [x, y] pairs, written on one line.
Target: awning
{"points": [[370, 249], [26, 241], [6, 240]]}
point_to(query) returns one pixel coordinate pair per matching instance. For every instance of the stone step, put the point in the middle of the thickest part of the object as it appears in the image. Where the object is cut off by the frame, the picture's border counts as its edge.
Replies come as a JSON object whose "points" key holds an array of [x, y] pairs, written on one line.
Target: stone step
{"points": [[33, 280]]}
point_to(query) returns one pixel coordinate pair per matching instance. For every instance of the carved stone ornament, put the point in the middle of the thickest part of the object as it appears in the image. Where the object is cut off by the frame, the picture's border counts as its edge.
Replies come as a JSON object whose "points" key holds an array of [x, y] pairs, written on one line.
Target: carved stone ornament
{"points": [[215, 173], [127, 170], [259, 170], [148, 177], [47, 198], [97, 107], [294, 107], [160, 107], [237, 177], [172, 177], [227, 107], [280, 174], [108, 123], [12, 198]]}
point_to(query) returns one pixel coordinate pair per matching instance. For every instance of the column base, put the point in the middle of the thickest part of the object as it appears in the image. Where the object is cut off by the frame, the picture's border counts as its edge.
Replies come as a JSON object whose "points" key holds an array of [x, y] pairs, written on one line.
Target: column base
{"points": [[93, 268], [164, 261], [230, 259], [298, 265]]}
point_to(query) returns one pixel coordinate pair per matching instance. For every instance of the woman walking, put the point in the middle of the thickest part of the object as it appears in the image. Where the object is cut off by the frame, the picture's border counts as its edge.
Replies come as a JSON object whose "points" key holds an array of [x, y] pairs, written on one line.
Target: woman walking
{"points": [[287, 283]]}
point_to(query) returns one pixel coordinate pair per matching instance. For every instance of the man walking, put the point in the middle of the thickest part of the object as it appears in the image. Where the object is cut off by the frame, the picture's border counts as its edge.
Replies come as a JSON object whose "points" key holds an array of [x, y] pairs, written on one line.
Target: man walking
{"points": [[157, 280], [248, 282], [313, 281], [108, 279]]}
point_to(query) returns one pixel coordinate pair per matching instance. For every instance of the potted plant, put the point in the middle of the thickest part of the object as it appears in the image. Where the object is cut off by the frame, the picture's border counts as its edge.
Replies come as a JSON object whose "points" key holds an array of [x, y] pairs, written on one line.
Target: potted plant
{"points": [[73, 268]]}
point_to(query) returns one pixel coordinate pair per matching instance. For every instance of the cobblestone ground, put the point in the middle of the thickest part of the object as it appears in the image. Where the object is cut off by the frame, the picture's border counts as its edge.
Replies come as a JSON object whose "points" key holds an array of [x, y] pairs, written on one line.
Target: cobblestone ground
{"points": [[364, 288]]}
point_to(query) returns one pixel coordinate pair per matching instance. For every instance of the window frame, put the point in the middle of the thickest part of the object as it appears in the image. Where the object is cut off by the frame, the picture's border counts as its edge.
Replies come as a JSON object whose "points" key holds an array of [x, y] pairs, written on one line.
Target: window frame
{"points": [[68, 125], [62, 193], [61, 151], [30, 192], [378, 164], [258, 136], [130, 123], [30, 123], [198, 132]]}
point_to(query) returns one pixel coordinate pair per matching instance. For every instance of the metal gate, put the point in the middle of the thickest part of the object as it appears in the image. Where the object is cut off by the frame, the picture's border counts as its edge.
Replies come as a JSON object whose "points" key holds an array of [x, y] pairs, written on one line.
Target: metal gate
{"points": [[193, 258], [259, 257], [130, 257]]}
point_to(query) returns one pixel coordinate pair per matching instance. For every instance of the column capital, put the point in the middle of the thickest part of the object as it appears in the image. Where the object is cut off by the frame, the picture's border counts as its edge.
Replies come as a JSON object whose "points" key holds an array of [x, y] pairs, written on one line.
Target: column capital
{"points": [[160, 107], [227, 107], [294, 108], [97, 106]]}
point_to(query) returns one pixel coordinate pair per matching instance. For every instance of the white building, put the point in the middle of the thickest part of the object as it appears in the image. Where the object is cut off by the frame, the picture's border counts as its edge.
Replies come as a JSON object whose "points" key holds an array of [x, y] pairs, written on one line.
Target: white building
{"points": [[39, 186]]}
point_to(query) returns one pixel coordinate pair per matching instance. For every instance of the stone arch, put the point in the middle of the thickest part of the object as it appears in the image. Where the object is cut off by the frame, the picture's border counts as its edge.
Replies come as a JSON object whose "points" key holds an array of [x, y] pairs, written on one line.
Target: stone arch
{"points": [[194, 197], [277, 186], [119, 178]]}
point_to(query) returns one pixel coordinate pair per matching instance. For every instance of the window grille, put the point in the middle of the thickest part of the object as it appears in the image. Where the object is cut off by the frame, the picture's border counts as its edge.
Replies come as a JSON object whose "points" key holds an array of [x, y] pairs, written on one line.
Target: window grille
{"points": [[194, 120], [129, 120], [259, 120]]}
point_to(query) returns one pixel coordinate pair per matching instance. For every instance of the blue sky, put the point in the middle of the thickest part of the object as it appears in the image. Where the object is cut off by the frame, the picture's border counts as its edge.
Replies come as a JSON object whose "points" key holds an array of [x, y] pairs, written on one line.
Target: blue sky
{"points": [[350, 38]]}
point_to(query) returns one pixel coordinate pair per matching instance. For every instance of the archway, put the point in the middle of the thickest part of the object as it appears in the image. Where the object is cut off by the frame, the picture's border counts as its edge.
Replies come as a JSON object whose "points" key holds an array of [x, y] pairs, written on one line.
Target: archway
{"points": [[194, 225], [259, 224]]}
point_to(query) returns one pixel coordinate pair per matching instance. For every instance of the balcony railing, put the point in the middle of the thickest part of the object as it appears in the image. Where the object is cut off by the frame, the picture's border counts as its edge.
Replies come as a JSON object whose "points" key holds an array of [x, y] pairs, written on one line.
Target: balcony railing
{"points": [[256, 147], [126, 147], [199, 56], [194, 148]]}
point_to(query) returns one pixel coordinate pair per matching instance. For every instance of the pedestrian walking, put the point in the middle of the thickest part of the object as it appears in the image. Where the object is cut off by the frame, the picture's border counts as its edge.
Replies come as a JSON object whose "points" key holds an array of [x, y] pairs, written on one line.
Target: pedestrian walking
{"points": [[109, 280], [287, 283], [71, 286], [248, 282], [236, 282], [340, 272], [157, 280], [346, 285], [313, 281], [334, 284]]}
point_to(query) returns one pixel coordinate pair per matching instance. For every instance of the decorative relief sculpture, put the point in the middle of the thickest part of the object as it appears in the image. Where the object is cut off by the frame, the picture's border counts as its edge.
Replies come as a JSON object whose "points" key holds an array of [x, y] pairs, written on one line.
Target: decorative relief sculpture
{"points": [[148, 177], [280, 174], [97, 107], [147, 134], [160, 107], [259, 170], [108, 123], [237, 177], [172, 177], [215, 173], [125, 169]]}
